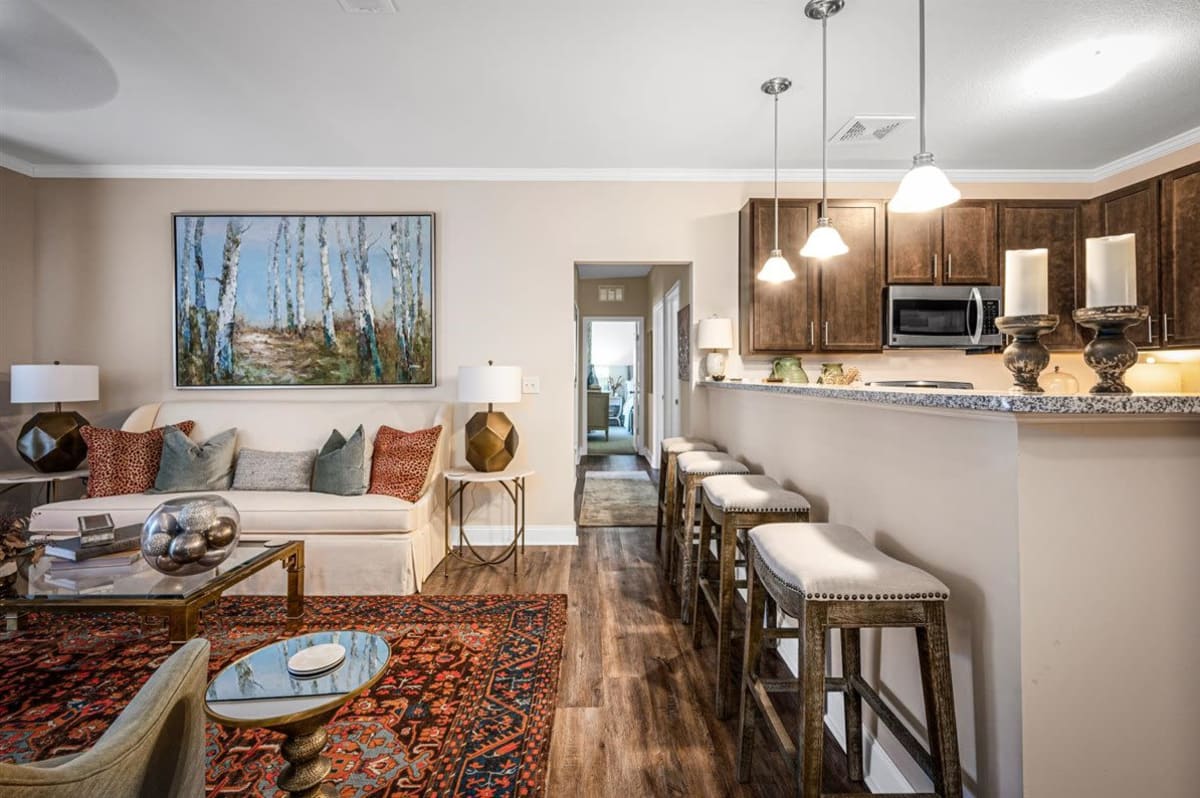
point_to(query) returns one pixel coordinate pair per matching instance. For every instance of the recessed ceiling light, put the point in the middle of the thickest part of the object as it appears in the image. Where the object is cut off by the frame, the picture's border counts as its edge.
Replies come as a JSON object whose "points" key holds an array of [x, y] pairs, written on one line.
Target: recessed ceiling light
{"points": [[1089, 67], [368, 6]]}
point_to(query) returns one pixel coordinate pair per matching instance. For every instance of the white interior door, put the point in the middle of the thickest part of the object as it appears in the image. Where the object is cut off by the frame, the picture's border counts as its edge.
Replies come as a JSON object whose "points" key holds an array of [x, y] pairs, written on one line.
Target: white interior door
{"points": [[657, 334], [671, 364]]}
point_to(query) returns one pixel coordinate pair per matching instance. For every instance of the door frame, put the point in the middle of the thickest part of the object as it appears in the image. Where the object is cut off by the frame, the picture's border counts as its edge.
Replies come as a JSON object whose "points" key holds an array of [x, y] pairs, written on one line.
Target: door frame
{"points": [[657, 361], [639, 370], [672, 415]]}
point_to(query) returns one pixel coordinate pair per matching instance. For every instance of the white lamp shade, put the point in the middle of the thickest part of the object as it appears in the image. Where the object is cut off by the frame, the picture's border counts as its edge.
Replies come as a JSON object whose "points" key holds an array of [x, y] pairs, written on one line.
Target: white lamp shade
{"points": [[489, 384], [38, 384], [924, 188], [715, 333], [824, 242], [776, 269]]}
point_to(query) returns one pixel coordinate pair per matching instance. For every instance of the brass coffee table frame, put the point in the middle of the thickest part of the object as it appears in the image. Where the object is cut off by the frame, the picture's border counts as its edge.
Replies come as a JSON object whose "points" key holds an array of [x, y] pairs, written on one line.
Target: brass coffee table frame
{"points": [[182, 612]]}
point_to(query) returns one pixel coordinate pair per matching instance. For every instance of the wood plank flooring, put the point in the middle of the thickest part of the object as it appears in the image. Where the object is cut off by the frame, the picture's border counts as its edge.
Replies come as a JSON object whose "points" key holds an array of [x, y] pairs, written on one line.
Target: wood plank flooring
{"points": [[635, 700]]}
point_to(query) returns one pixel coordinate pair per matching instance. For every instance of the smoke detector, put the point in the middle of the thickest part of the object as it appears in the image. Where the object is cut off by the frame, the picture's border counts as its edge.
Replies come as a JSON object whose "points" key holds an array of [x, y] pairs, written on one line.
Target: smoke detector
{"points": [[868, 129], [367, 6]]}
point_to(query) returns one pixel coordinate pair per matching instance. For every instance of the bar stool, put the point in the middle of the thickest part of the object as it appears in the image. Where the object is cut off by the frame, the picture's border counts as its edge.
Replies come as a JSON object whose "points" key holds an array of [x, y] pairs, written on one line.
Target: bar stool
{"points": [[829, 576], [731, 503], [692, 467], [670, 449]]}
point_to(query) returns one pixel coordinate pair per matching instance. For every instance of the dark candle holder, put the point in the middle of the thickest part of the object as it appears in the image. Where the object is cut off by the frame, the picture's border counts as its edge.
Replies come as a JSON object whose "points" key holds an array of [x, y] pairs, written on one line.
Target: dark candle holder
{"points": [[1026, 357], [1111, 353]]}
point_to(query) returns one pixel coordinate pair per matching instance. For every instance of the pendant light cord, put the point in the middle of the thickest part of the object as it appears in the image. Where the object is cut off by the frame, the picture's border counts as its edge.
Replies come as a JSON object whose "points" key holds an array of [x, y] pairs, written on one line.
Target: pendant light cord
{"points": [[824, 113], [775, 161], [921, 46]]}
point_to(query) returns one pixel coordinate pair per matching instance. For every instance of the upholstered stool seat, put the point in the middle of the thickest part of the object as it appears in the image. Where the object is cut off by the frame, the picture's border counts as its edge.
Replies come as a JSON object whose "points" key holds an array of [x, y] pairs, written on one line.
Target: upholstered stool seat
{"points": [[834, 562], [828, 576], [730, 504], [692, 468], [668, 451]]}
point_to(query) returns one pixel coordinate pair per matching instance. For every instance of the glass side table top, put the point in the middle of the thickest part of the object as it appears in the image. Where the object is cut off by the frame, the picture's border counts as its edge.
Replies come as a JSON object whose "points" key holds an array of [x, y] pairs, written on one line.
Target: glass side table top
{"points": [[258, 690], [138, 581]]}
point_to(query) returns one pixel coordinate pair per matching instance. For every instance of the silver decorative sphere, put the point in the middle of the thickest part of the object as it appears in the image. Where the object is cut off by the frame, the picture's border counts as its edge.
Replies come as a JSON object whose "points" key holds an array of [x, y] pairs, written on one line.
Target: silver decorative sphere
{"points": [[190, 535]]}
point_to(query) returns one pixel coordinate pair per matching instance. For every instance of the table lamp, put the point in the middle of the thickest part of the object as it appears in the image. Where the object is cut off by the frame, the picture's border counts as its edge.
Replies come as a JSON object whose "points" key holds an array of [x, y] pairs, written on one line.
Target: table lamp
{"points": [[716, 335], [50, 441], [491, 437]]}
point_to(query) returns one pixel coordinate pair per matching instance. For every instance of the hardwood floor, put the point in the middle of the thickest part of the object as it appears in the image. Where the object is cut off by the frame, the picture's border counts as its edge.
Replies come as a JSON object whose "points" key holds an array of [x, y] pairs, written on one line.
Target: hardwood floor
{"points": [[635, 700]]}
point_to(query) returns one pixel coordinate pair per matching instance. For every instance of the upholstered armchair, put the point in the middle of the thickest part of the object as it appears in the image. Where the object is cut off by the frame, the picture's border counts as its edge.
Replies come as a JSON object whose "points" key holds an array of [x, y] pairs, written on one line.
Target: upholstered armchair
{"points": [[154, 749]]}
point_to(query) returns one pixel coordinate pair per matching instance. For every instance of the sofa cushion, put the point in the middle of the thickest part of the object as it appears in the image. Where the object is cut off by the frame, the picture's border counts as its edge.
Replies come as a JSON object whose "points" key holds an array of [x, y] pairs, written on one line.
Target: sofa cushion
{"points": [[190, 466], [124, 462], [273, 512], [400, 465], [259, 470], [340, 465]]}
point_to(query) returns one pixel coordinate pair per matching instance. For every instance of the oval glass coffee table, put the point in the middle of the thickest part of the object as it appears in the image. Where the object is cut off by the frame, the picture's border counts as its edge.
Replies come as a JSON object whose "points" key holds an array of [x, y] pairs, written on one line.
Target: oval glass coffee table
{"points": [[257, 691]]}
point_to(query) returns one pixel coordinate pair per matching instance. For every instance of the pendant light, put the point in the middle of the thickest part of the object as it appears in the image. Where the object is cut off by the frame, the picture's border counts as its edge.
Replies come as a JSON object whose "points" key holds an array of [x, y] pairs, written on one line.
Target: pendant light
{"points": [[824, 242], [925, 187], [776, 269]]}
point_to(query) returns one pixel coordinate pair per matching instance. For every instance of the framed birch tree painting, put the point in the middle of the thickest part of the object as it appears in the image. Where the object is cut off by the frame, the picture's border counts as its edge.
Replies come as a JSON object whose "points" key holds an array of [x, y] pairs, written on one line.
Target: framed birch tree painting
{"points": [[272, 301]]}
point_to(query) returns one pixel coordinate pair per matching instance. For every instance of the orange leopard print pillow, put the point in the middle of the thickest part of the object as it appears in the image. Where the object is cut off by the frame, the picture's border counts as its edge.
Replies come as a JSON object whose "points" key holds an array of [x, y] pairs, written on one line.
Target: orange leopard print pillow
{"points": [[124, 462], [401, 461]]}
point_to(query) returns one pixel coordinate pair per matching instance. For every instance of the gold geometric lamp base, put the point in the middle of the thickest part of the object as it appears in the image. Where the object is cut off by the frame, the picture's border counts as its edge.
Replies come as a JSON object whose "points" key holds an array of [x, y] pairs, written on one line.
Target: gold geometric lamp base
{"points": [[491, 441]]}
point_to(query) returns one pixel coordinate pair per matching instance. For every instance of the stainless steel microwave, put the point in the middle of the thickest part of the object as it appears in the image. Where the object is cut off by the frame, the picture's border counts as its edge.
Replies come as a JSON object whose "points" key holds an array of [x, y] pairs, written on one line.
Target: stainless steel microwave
{"points": [[945, 316]]}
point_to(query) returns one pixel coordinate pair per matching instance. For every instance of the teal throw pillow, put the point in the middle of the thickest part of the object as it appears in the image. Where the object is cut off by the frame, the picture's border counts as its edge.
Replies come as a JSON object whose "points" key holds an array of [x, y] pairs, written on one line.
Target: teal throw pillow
{"points": [[188, 466], [340, 468]]}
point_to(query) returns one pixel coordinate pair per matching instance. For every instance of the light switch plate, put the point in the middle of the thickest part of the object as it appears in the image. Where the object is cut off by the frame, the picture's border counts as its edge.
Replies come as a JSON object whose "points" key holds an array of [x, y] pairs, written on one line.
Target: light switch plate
{"points": [[531, 385]]}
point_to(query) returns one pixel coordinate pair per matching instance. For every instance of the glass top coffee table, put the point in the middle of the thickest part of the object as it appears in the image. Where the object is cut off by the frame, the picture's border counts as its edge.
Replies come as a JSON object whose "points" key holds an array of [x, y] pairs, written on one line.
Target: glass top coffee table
{"points": [[149, 593], [258, 691]]}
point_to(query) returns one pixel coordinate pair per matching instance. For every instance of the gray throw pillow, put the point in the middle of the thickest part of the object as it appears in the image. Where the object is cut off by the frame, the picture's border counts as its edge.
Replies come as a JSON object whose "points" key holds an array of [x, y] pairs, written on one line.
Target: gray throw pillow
{"points": [[259, 470], [188, 466], [340, 465]]}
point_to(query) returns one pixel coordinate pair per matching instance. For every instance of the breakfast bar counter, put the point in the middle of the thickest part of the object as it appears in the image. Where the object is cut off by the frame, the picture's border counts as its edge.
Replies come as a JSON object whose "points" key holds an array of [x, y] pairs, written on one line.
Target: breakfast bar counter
{"points": [[1066, 528]]}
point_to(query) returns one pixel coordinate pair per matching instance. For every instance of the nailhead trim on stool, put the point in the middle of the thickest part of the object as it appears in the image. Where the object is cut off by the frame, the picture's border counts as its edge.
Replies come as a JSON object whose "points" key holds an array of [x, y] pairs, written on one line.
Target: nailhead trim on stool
{"points": [[752, 493]]}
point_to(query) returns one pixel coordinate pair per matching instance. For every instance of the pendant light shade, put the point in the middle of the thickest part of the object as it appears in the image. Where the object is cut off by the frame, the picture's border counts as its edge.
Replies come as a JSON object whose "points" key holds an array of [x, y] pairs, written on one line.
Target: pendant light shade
{"points": [[776, 269], [824, 241], [925, 187]]}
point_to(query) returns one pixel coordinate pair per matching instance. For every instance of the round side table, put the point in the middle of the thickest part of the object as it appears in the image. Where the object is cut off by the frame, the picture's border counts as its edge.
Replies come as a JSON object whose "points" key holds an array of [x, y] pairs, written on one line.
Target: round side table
{"points": [[257, 691], [456, 482]]}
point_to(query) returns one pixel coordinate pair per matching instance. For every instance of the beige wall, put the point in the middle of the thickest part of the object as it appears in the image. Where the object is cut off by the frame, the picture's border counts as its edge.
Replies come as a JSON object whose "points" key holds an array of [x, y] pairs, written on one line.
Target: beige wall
{"points": [[17, 258]]}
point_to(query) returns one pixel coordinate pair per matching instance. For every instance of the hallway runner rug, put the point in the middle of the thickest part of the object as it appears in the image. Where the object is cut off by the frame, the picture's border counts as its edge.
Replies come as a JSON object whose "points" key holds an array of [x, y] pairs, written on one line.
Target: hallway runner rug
{"points": [[465, 708], [618, 498]]}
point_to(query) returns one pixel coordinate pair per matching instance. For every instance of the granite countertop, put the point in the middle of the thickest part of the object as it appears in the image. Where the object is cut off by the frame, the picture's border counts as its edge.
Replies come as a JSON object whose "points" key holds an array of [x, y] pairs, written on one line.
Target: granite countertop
{"points": [[987, 401]]}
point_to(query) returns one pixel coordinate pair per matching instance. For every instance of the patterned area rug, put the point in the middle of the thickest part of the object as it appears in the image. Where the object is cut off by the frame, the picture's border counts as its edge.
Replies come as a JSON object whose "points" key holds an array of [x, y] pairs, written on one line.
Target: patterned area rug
{"points": [[465, 709], [618, 498]]}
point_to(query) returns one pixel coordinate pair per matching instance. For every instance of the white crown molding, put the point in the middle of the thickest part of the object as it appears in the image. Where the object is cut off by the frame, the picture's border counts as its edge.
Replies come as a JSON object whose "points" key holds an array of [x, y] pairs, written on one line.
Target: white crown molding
{"points": [[562, 175]]}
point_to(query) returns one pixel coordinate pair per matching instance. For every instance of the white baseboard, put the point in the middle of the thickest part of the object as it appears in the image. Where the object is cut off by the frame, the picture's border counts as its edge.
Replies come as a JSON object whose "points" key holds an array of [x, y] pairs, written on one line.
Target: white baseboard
{"points": [[502, 535], [879, 770]]}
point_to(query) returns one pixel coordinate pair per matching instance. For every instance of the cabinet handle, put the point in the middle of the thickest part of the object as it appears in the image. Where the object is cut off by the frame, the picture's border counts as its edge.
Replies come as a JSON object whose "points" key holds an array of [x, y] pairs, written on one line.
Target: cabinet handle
{"points": [[1150, 326], [935, 270], [949, 266], [812, 335], [1166, 334], [826, 331]]}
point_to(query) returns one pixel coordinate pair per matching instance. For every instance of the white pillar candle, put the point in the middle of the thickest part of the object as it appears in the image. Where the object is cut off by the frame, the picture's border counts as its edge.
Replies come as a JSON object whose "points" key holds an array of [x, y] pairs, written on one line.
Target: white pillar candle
{"points": [[1026, 282], [1111, 271]]}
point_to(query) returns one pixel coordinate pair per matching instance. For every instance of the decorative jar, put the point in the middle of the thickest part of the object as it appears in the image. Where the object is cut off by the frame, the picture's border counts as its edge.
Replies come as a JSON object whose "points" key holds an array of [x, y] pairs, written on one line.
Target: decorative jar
{"points": [[190, 535], [1060, 382]]}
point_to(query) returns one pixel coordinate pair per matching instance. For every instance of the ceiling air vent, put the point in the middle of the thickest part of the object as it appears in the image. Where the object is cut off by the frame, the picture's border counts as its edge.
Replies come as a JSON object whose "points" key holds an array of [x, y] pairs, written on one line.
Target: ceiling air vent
{"points": [[612, 293], [368, 6], [868, 129]]}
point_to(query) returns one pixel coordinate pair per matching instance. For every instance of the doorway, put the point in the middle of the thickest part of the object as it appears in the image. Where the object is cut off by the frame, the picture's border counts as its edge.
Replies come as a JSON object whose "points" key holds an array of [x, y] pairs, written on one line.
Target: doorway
{"points": [[612, 385]]}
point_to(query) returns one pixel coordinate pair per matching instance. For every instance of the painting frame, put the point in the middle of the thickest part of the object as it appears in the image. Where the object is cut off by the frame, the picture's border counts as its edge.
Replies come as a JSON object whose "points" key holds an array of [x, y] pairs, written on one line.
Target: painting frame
{"points": [[430, 307], [684, 341]]}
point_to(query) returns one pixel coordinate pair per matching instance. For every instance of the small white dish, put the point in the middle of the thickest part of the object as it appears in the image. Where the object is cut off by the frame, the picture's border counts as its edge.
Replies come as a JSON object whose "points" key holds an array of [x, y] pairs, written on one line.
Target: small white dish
{"points": [[316, 659]]}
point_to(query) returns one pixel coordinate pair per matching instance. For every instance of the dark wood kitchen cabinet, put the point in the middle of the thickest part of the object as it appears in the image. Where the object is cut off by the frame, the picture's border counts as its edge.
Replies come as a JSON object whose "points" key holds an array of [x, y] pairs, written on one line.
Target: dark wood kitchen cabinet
{"points": [[1056, 226], [1136, 210], [1180, 244], [952, 246], [836, 306]]}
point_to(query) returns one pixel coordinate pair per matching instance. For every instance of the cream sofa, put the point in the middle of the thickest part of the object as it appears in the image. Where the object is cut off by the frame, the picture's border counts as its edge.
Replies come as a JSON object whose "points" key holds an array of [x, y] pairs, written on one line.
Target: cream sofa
{"points": [[353, 544]]}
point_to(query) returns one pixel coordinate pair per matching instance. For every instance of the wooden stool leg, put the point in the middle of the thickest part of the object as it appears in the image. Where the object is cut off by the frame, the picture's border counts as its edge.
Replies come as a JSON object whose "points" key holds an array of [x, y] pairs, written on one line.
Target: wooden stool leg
{"points": [[706, 527], [933, 649], [772, 623], [752, 650], [851, 669], [673, 533], [687, 548], [810, 741], [728, 556], [662, 498]]}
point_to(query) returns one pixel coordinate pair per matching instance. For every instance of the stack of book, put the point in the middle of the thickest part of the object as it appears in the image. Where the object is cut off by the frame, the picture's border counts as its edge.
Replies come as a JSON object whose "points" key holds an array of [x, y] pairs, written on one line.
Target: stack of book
{"points": [[94, 566]]}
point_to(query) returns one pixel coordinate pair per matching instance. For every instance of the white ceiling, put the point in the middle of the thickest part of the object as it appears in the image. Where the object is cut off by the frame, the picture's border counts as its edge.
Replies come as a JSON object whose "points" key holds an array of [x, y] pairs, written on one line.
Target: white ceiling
{"points": [[613, 271], [571, 84]]}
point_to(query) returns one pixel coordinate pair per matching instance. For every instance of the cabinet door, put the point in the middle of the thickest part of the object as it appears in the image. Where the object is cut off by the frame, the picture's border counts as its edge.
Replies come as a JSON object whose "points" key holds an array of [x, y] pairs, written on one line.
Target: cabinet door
{"points": [[776, 317], [851, 285], [1054, 226], [969, 244], [1181, 256], [1135, 210], [912, 248]]}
